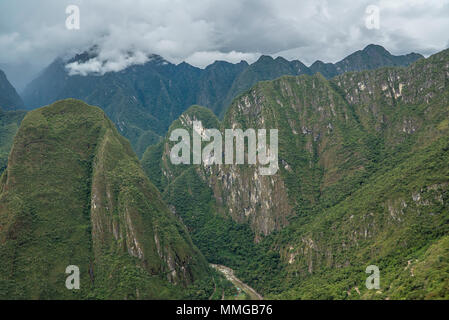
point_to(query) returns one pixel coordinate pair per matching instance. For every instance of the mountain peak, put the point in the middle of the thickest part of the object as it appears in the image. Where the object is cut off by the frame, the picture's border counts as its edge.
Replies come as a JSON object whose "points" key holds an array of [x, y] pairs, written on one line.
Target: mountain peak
{"points": [[375, 48], [264, 58], [281, 59]]}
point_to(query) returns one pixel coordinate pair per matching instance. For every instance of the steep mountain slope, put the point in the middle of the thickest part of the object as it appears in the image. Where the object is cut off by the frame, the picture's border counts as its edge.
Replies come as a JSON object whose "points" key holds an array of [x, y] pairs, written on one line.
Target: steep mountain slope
{"points": [[20, 74], [9, 99], [396, 221], [9, 124], [391, 210], [363, 180], [75, 194]]}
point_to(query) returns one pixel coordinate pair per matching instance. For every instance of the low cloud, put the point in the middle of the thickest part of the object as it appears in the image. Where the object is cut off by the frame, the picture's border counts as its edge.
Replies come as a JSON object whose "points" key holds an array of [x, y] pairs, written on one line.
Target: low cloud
{"points": [[107, 62], [204, 58]]}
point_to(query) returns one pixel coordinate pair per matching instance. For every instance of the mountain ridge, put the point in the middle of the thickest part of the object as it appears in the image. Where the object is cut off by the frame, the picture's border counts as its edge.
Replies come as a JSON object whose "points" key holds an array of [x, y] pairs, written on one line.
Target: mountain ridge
{"points": [[143, 100]]}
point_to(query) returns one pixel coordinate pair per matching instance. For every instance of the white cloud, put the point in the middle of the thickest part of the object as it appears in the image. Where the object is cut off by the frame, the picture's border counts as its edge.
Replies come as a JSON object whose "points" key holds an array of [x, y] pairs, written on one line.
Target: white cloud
{"points": [[204, 58], [201, 31]]}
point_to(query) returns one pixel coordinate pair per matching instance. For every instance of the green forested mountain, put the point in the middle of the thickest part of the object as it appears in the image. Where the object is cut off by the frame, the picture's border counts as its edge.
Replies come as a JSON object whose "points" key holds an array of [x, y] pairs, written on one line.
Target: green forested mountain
{"points": [[9, 99], [74, 194], [143, 100], [363, 180]]}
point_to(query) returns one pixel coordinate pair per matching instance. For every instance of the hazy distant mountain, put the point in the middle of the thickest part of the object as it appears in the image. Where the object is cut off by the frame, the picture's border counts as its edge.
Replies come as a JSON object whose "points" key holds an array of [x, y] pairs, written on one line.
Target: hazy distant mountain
{"points": [[265, 68], [9, 99], [215, 83], [20, 74]]}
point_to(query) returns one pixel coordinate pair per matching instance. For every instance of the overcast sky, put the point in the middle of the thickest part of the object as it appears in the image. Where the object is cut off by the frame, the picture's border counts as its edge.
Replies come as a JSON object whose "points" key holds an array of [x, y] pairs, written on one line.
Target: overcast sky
{"points": [[201, 31]]}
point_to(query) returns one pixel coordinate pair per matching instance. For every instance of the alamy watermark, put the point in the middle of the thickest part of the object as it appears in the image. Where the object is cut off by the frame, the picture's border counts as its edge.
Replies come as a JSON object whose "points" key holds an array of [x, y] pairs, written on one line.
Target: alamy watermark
{"points": [[73, 19], [257, 152], [372, 20], [373, 281], [73, 280]]}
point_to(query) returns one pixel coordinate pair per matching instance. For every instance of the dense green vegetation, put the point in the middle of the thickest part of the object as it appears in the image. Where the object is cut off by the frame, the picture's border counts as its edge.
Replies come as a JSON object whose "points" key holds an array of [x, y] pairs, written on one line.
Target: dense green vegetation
{"points": [[217, 287], [9, 119], [74, 194], [380, 224], [364, 160]]}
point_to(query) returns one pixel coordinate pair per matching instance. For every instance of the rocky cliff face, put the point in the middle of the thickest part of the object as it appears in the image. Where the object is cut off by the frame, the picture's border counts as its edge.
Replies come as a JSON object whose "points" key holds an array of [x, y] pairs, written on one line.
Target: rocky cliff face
{"points": [[74, 194]]}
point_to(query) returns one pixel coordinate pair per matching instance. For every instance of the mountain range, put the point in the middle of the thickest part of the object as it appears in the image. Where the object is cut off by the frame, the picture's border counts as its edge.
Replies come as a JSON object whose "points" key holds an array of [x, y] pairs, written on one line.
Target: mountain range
{"points": [[143, 100]]}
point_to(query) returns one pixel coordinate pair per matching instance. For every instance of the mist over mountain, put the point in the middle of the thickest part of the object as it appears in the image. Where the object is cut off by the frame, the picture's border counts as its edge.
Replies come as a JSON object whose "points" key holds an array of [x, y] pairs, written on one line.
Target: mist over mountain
{"points": [[143, 99]]}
